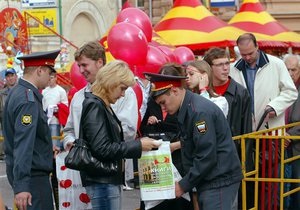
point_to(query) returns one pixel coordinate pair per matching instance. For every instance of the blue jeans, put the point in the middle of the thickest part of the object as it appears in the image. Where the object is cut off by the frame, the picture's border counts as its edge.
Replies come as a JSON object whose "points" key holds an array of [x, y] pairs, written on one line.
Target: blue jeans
{"points": [[219, 198], [55, 131], [105, 196]]}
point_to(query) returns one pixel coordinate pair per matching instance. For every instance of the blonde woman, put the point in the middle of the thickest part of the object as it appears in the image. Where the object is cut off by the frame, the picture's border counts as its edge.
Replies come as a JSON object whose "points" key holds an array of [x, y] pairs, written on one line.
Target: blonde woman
{"points": [[103, 132], [199, 80]]}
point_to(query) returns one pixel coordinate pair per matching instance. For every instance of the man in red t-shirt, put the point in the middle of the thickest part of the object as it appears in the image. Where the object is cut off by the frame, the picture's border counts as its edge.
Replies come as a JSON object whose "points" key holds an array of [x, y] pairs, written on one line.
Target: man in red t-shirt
{"points": [[239, 115]]}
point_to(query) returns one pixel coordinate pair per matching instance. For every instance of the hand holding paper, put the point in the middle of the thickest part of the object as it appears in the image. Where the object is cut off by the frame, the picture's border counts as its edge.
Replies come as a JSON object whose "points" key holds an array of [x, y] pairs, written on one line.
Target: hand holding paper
{"points": [[148, 144]]}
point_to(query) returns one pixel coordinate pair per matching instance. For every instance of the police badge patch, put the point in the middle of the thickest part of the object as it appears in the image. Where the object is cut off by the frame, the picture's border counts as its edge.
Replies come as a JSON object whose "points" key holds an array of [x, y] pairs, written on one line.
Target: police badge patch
{"points": [[26, 119], [201, 127]]}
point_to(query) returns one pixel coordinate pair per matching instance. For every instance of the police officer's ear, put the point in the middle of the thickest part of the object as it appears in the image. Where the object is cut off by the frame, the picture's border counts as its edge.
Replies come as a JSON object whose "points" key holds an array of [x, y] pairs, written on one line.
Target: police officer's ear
{"points": [[39, 71], [175, 90]]}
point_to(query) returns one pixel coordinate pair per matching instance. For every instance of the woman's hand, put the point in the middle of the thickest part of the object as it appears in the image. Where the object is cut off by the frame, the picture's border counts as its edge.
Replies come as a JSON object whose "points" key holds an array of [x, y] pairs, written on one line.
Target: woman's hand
{"points": [[203, 81], [148, 143]]}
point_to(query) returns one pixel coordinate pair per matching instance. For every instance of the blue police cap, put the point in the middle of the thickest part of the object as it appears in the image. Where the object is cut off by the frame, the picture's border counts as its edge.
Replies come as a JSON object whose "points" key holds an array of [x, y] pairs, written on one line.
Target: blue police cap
{"points": [[40, 59], [162, 83], [10, 71]]}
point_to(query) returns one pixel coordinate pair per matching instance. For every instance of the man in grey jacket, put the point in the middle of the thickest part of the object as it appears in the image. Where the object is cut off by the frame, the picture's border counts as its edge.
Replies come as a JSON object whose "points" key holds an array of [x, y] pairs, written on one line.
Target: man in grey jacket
{"points": [[292, 63]]}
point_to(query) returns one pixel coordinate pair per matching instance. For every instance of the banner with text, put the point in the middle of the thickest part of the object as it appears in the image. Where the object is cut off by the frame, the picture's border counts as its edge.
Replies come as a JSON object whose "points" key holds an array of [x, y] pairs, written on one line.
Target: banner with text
{"points": [[38, 3], [47, 16], [222, 3]]}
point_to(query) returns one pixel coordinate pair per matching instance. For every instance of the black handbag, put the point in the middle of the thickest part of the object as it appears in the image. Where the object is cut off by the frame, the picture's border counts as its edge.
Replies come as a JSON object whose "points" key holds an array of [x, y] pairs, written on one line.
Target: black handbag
{"points": [[80, 158]]}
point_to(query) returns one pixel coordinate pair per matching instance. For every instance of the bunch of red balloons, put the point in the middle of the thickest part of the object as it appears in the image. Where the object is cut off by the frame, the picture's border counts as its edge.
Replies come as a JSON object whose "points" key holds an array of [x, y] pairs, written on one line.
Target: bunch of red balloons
{"points": [[130, 40]]}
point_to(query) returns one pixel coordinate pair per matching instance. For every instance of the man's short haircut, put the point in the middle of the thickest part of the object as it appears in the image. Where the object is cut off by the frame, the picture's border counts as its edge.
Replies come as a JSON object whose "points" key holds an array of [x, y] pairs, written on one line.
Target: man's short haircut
{"points": [[93, 50], [246, 37], [215, 53]]}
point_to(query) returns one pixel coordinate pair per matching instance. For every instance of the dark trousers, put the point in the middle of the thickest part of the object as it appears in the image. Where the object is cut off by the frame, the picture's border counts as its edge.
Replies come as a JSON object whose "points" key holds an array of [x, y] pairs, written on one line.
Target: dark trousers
{"points": [[219, 198], [54, 183], [173, 204], [295, 201], [41, 192]]}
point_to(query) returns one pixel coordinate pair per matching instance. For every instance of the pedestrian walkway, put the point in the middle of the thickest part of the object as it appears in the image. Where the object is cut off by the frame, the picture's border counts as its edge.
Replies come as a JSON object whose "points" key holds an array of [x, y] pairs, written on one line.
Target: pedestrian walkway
{"points": [[131, 199]]}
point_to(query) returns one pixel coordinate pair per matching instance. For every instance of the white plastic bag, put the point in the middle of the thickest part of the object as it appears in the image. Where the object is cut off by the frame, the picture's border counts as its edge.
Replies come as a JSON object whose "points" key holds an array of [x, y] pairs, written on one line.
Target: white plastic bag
{"points": [[70, 191], [177, 177], [156, 174]]}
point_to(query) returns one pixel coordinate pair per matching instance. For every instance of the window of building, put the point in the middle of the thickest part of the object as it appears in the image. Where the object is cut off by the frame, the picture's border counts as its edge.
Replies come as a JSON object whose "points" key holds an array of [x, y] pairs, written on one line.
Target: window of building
{"points": [[140, 3]]}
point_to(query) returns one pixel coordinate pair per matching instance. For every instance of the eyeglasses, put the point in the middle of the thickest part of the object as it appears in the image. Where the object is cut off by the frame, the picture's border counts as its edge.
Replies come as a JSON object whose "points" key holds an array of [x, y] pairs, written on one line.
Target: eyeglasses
{"points": [[221, 64]]}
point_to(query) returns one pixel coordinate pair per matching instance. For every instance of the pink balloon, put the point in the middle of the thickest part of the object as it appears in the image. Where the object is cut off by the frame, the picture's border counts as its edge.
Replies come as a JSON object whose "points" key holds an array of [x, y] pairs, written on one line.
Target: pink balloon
{"points": [[184, 54], [127, 42], [169, 53], [155, 59], [137, 17], [76, 77]]}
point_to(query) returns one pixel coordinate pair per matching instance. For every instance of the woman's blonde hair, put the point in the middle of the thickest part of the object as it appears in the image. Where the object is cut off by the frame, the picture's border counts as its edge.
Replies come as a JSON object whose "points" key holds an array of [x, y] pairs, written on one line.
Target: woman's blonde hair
{"points": [[111, 76]]}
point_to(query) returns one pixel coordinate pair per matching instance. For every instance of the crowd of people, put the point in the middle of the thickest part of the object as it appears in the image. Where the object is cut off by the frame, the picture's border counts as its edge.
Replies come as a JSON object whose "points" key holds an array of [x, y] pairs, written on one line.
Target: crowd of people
{"points": [[198, 106]]}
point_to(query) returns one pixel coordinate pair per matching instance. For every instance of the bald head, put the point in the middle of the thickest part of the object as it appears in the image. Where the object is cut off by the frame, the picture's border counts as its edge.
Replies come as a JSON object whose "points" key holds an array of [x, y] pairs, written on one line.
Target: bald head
{"points": [[292, 63]]}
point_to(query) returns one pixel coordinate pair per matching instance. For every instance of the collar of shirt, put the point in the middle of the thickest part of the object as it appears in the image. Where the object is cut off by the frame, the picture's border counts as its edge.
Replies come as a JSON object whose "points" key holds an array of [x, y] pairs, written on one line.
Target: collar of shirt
{"points": [[256, 66], [88, 87]]}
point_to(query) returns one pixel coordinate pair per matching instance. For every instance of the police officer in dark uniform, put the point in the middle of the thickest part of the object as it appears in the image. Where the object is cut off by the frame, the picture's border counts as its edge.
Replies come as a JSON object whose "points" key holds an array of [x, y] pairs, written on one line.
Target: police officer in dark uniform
{"points": [[209, 157], [28, 144]]}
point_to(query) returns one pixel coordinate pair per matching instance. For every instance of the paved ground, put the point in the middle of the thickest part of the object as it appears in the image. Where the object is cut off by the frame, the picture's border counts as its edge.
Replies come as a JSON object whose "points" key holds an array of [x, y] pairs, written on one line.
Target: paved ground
{"points": [[130, 198]]}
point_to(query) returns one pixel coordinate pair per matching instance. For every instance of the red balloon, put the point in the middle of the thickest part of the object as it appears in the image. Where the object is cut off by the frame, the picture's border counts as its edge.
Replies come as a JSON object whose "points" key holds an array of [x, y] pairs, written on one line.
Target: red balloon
{"points": [[76, 77], [155, 59], [169, 53], [137, 17], [71, 93], [127, 42], [139, 97], [184, 54]]}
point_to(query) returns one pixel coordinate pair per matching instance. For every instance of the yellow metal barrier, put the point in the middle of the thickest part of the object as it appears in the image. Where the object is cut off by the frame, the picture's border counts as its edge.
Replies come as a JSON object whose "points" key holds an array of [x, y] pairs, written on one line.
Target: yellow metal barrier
{"points": [[253, 176]]}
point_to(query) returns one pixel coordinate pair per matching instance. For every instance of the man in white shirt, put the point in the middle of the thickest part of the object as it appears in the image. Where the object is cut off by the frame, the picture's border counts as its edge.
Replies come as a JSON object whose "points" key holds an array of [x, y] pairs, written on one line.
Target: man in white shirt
{"points": [[53, 95]]}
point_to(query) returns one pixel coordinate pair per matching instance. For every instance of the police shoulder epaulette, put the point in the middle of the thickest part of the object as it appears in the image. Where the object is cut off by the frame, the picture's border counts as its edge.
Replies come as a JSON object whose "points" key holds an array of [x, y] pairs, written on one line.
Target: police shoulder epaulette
{"points": [[30, 95]]}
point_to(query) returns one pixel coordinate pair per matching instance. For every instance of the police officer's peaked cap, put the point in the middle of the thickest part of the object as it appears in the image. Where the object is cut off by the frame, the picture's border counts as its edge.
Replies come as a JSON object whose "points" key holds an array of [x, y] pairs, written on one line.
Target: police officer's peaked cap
{"points": [[10, 71], [40, 59], [162, 83]]}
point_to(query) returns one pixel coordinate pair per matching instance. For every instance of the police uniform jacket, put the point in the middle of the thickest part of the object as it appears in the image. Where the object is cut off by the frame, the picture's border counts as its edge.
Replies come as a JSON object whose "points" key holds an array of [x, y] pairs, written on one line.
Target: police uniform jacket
{"points": [[103, 132], [209, 156], [28, 144]]}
